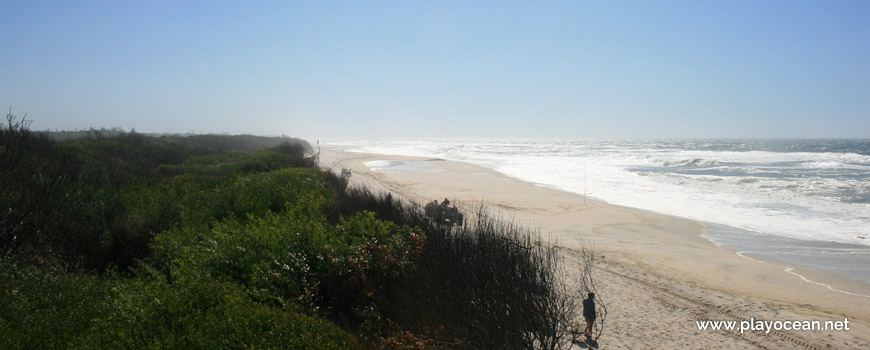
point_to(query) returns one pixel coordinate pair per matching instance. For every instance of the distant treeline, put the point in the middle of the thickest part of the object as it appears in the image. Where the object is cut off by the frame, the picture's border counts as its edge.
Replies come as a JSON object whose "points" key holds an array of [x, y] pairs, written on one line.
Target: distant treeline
{"points": [[210, 142], [216, 241]]}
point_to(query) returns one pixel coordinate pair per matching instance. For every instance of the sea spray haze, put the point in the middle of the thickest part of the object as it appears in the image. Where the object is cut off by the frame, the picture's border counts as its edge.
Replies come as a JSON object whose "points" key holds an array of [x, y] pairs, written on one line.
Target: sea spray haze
{"points": [[807, 189]]}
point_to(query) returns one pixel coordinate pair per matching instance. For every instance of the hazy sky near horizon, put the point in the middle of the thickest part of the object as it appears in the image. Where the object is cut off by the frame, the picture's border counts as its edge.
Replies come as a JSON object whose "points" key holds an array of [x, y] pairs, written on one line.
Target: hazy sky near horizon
{"points": [[374, 69]]}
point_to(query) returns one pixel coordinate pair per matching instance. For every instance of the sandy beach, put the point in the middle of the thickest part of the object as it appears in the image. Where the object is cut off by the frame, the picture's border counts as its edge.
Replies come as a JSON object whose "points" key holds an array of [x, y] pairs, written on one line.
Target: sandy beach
{"points": [[658, 274]]}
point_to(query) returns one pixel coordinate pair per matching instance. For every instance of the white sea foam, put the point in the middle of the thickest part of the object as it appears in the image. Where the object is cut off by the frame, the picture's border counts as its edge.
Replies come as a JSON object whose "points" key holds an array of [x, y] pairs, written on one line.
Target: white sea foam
{"points": [[400, 166]]}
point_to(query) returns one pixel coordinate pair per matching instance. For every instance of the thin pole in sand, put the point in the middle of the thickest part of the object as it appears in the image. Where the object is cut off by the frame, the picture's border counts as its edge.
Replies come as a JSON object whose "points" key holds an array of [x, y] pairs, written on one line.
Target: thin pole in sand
{"points": [[585, 153]]}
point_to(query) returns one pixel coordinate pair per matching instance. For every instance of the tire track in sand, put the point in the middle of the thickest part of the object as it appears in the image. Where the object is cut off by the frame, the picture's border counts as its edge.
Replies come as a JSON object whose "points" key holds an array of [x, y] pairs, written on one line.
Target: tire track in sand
{"points": [[701, 310]]}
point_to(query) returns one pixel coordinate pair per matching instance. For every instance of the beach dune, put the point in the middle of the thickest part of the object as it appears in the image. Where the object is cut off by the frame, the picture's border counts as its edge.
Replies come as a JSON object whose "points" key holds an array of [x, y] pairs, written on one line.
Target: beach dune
{"points": [[658, 275]]}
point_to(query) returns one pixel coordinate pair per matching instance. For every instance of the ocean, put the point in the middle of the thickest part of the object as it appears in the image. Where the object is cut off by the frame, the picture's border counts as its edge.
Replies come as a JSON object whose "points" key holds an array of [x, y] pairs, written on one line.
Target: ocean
{"points": [[802, 198]]}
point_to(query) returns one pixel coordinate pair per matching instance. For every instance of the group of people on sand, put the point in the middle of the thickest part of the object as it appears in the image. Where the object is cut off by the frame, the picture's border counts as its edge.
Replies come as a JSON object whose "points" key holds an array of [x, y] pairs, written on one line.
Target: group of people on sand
{"points": [[434, 203], [432, 208], [443, 213]]}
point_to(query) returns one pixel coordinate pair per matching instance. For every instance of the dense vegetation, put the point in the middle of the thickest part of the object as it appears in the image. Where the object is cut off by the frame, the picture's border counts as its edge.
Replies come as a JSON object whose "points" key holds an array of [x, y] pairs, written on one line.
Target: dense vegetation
{"points": [[131, 241]]}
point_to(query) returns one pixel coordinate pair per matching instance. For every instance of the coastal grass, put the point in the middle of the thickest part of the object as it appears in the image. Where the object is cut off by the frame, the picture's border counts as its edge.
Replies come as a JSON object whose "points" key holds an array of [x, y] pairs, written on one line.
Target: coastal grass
{"points": [[132, 241]]}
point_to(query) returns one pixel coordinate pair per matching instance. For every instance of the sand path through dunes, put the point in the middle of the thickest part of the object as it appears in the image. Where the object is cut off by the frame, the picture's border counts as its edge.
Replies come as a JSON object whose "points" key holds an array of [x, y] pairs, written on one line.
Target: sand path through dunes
{"points": [[657, 273]]}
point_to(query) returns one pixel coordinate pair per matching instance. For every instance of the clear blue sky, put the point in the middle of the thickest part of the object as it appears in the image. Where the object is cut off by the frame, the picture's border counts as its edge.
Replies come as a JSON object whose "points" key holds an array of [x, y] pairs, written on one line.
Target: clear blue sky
{"points": [[327, 69]]}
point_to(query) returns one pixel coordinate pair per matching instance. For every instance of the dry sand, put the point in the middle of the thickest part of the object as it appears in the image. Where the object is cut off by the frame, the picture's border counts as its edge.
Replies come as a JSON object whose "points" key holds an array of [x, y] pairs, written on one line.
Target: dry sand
{"points": [[658, 276]]}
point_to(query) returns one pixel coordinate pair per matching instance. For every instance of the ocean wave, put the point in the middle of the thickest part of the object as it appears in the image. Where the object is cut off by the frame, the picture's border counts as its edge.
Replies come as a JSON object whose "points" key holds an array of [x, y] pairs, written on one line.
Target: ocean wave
{"points": [[692, 163]]}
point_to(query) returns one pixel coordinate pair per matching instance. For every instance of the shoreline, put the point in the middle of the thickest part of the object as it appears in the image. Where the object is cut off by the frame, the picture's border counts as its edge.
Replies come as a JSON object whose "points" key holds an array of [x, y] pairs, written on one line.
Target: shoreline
{"points": [[829, 256], [639, 249]]}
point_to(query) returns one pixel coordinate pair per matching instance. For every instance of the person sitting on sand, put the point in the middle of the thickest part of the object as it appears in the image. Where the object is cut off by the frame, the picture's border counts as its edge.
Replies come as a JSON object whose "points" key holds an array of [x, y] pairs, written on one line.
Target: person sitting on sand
{"points": [[430, 206], [589, 314], [431, 209]]}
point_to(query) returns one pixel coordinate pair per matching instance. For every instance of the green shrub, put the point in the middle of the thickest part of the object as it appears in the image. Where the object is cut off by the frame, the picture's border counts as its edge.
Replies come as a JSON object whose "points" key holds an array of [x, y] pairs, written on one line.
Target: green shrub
{"points": [[198, 313], [296, 259], [43, 309], [49, 214]]}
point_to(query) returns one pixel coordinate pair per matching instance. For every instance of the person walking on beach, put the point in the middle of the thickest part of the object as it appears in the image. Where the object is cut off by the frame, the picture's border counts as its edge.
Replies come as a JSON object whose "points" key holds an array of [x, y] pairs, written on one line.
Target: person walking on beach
{"points": [[589, 314]]}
